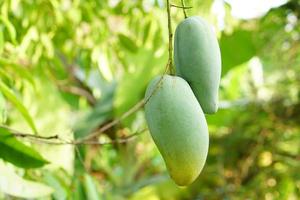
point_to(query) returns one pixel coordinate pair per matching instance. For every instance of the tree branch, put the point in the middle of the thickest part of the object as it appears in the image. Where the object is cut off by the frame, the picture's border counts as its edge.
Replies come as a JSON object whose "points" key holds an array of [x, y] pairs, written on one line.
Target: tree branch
{"points": [[135, 108], [79, 92], [56, 140]]}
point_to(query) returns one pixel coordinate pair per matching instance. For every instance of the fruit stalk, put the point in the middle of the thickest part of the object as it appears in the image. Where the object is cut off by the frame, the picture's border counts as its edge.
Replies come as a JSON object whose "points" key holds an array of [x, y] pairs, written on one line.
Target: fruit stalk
{"points": [[170, 60], [183, 9]]}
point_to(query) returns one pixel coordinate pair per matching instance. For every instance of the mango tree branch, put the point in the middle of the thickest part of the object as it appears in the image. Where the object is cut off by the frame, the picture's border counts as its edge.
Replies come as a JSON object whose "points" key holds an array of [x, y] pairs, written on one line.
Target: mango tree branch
{"points": [[56, 140], [135, 108]]}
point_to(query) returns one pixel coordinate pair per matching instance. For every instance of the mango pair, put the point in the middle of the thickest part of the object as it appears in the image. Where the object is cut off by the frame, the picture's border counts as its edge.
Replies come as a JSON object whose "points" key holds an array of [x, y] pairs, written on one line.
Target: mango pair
{"points": [[176, 106]]}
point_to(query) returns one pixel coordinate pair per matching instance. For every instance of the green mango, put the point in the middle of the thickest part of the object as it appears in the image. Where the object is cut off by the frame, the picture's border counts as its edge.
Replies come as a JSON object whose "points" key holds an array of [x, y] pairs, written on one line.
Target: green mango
{"points": [[178, 127], [198, 60]]}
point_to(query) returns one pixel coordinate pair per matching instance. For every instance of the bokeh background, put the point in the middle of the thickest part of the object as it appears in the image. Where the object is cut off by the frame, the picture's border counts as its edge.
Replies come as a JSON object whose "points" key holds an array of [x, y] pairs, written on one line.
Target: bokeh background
{"points": [[69, 67]]}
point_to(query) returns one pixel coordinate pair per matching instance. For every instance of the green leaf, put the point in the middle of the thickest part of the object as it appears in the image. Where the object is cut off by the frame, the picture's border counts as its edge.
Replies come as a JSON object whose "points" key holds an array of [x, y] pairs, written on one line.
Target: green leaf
{"points": [[60, 192], [16, 68], [90, 188], [3, 73], [10, 28], [12, 184], [102, 112], [18, 104], [3, 109], [132, 87], [236, 49], [78, 193], [17, 153], [286, 187], [1, 39], [146, 31], [128, 43], [157, 40]]}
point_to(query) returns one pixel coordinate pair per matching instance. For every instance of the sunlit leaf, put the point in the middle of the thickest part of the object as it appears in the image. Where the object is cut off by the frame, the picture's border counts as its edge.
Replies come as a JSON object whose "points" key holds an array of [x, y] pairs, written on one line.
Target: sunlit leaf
{"points": [[10, 28], [156, 43], [90, 188], [78, 194], [12, 184], [236, 49], [59, 189], [18, 104], [103, 111], [146, 31], [46, 41], [128, 43], [1, 39], [10, 66], [17, 153], [133, 84], [3, 109]]}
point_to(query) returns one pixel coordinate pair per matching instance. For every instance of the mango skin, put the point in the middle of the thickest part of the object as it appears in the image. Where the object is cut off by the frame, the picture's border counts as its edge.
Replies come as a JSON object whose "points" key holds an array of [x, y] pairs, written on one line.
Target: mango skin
{"points": [[197, 59], [178, 127]]}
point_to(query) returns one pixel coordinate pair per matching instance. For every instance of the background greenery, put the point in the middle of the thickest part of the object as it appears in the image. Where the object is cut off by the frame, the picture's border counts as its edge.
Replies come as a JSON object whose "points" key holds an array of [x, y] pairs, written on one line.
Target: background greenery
{"points": [[69, 67]]}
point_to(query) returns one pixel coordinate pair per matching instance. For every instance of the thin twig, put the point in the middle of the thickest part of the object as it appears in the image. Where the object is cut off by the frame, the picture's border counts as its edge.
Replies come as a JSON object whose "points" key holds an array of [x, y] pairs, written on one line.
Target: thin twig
{"points": [[116, 141], [36, 136], [58, 141], [159, 82], [79, 92], [184, 11], [135, 108], [19, 134], [77, 151], [182, 7]]}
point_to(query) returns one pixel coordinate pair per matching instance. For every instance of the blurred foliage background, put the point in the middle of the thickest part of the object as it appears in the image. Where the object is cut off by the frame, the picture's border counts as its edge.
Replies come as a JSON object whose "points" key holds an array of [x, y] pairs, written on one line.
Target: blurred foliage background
{"points": [[70, 67]]}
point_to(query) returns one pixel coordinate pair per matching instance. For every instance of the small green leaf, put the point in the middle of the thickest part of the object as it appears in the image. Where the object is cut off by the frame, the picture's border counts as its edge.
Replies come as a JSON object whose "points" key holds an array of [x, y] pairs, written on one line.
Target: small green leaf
{"points": [[133, 85], [16, 68], [17, 153], [78, 193], [1, 39], [47, 43], [128, 43], [14, 100], [3, 109], [60, 192], [157, 40], [10, 28], [90, 188], [146, 31], [102, 112], [3, 73]]}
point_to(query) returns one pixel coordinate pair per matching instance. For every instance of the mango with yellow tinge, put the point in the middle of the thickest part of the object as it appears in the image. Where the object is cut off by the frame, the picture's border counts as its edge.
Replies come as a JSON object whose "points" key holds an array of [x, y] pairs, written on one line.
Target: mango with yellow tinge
{"points": [[178, 127]]}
